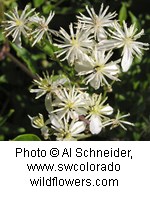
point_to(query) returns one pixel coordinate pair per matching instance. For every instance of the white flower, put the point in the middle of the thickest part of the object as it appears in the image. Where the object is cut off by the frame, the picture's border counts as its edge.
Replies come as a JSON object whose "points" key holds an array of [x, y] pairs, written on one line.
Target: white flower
{"points": [[38, 122], [17, 25], [97, 113], [66, 131], [96, 23], [48, 84], [75, 45], [127, 39], [119, 122], [98, 69], [97, 107], [70, 103], [42, 28]]}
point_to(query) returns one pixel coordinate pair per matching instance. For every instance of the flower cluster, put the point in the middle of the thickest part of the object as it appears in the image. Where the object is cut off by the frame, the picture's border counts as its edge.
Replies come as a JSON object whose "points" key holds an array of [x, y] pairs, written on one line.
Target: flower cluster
{"points": [[91, 42], [88, 47], [73, 113], [34, 27]]}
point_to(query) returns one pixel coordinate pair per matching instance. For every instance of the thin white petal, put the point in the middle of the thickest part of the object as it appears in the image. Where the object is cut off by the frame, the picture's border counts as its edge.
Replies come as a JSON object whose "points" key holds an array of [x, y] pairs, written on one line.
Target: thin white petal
{"points": [[107, 110], [95, 124], [126, 59], [78, 127], [56, 122], [48, 103]]}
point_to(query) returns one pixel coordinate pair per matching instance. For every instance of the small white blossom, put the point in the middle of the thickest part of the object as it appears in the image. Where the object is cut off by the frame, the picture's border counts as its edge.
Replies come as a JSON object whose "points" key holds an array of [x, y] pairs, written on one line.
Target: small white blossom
{"points": [[47, 84], [119, 122], [97, 113], [65, 130], [97, 23], [38, 122], [70, 103], [125, 38], [75, 45], [97, 69], [17, 25], [42, 28]]}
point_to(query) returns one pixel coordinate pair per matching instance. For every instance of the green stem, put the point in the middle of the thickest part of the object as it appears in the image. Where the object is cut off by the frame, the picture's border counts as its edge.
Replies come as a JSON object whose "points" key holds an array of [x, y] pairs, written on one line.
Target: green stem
{"points": [[52, 55], [84, 136], [108, 90], [57, 60], [21, 66], [58, 3], [1, 11]]}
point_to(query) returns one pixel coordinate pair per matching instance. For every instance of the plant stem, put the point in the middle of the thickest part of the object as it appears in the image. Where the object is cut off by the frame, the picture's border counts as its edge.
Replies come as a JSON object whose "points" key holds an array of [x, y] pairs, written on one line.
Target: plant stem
{"points": [[108, 89], [84, 136], [1, 11], [21, 66], [58, 3]]}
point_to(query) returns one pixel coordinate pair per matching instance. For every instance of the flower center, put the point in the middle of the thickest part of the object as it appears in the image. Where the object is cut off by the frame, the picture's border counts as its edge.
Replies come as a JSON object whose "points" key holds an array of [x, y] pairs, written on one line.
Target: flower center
{"points": [[19, 23], [70, 105], [68, 135], [45, 85], [127, 41], [39, 122], [75, 42], [97, 23], [99, 68], [44, 27], [95, 110], [65, 133]]}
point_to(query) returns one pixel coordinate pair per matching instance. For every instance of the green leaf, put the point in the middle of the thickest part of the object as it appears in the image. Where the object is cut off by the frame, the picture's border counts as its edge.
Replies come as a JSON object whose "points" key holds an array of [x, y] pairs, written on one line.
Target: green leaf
{"points": [[26, 57], [134, 20], [64, 10], [123, 13], [38, 3], [27, 137], [49, 49], [136, 85], [2, 137], [47, 8], [3, 79], [21, 130], [136, 136], [120, 97]]}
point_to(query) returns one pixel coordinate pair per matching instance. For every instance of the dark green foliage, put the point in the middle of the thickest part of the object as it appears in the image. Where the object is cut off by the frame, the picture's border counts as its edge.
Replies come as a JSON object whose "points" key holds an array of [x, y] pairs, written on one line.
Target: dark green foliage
{"points": [[27, 137]]}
